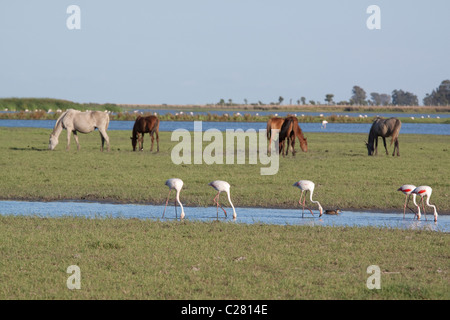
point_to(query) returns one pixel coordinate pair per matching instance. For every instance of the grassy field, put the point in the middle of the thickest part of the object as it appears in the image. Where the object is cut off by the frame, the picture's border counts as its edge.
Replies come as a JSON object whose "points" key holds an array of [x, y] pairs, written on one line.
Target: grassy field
{"points": [[345, 176], [143, 259]]}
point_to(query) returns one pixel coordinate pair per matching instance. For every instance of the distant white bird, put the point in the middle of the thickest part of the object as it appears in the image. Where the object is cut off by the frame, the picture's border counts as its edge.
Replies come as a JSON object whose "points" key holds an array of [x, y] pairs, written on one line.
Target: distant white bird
{"points": [[305, 186], [407, 189], [423, 191], [176, 184], [324, 124], [222, 186]]}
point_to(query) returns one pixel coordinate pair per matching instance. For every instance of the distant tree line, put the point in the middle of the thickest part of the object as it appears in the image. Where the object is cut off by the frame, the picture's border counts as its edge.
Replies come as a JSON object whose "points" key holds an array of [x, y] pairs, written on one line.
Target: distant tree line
{"points": [[438, 97]]}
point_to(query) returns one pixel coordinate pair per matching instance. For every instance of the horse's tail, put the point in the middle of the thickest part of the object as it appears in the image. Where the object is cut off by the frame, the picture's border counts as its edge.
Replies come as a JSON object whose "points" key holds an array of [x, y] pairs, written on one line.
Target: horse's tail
{"points": [[155, 127], [107, 122], [285, 128], [396, 130], [269, 129]]}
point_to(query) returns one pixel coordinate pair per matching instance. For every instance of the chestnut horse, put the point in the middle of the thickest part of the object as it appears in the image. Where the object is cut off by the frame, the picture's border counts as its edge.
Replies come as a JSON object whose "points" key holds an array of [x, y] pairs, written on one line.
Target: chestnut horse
{"points": [[289, 129], [148, 124]]}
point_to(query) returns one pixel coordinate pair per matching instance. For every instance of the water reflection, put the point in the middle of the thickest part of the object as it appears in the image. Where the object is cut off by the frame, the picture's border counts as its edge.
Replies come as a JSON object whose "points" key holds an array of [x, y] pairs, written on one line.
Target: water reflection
{"points": [[244, 215]]}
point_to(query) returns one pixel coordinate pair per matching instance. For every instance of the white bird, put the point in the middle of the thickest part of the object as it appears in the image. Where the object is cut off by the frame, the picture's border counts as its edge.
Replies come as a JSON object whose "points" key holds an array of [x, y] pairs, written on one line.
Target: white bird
{"points": [[324, 124], [176, 184], [407, 189], [222, 186], [305, 186], [423, 191]]}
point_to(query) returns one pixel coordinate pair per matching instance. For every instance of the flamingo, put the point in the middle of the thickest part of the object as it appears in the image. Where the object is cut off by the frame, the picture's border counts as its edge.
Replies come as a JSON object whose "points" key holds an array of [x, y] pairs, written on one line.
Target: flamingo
{"points": [[305, 186], [407, 189], [176, 184], [425, 191], [222, 186]]}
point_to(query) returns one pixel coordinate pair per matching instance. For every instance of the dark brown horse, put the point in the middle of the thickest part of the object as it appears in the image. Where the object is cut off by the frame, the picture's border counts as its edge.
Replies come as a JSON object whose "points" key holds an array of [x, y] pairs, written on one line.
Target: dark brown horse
{"points": [[289, 131], [384, 128], [148, 124]]}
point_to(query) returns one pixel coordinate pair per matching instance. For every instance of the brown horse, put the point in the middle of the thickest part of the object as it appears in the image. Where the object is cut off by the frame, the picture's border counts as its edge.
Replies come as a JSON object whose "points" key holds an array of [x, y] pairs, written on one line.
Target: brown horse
{"points": [[384, 128], [150, 125], [274, 123], [289, 131]]}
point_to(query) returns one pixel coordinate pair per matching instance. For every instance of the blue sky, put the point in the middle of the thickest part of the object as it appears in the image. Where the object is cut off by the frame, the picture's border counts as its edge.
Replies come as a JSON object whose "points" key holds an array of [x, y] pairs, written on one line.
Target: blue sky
{"points": [[201, 51]]}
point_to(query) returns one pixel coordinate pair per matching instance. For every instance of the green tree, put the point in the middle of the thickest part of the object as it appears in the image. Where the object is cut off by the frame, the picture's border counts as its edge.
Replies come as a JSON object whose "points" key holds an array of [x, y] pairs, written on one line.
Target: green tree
{"points": [[359, 96], [280, 99], [329, 98], [404, 98], [440, 96]]}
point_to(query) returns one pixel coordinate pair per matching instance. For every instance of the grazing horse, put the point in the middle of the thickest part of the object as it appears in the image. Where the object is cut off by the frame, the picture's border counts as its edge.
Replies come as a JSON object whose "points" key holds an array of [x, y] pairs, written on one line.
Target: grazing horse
{"points": [[76, 121], [274, 123], [290, 130], [384, 128], [150, 125]]}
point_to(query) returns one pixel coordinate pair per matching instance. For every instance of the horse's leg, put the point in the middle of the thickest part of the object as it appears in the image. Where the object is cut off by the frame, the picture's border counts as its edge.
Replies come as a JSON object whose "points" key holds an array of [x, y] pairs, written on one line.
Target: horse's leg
{"points": [[396, 147], [104, 137], [75, 136], [69, 132], [153, 139], [157, 141], [293, 145], [376, 146], [141, 141], [385, 147]]}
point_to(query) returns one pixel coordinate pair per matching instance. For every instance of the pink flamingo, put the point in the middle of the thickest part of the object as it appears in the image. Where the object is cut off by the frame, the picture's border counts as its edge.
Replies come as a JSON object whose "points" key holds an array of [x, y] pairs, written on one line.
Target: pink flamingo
{"points": [[407, 189], [176, 184], [305, 186], [425, 191], [222, 186]]}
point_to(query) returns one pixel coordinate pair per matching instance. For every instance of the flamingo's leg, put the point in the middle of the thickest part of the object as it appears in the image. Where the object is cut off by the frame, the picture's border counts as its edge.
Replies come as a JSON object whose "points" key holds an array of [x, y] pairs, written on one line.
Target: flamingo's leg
{"points": [[166, 202]]}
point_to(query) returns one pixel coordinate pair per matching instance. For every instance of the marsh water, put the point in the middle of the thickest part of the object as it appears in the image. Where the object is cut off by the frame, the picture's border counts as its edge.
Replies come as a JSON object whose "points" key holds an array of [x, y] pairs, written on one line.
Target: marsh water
{"points": [[244, 215], [407, 128]]}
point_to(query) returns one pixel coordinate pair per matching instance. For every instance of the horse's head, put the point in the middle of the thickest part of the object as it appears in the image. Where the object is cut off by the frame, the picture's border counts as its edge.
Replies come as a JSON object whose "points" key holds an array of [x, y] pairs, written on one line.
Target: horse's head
{"points": [[304, 145], [134, 142], [370, 148], [53, 141]]}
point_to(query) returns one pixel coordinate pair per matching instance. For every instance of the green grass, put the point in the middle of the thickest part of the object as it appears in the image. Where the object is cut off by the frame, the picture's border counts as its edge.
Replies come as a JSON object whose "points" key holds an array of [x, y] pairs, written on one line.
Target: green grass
{"points": [[345, 176], [143, 259]]}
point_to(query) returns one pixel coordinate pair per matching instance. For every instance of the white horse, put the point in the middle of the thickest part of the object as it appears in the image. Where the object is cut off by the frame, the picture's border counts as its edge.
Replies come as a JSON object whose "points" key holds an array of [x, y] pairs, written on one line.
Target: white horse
{"points": [[77, 121]]}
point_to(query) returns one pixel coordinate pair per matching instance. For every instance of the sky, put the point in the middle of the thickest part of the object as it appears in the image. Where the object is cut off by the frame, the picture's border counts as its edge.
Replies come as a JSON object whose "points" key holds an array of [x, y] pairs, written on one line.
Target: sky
{"points": [[201, 51]]}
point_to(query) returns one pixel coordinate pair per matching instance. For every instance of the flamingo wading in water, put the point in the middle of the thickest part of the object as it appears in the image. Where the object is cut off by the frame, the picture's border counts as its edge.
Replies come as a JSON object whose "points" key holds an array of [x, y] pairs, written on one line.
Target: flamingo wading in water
{"points": [[221, 186], [423, 191], [176, 184], [407, 189], [305, 186]]}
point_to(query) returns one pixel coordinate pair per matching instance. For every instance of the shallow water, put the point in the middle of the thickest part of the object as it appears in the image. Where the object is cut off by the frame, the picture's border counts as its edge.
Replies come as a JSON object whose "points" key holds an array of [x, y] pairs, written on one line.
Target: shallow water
{"points": [[244, 215], [407, 128]]}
